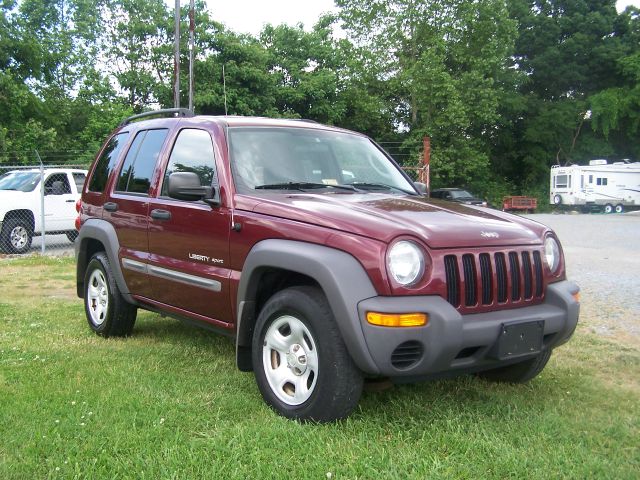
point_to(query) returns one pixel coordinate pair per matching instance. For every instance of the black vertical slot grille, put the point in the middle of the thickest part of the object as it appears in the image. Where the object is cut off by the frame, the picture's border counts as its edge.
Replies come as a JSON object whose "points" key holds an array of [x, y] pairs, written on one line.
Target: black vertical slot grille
{"points": [[453, 280], [501, 277], [477, 281], [469, 268], [537, 265], [526, 270], [514, 269], [486, 278]]}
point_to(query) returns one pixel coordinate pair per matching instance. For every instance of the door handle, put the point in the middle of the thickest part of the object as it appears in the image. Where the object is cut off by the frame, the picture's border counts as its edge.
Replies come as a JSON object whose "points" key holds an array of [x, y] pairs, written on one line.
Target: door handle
{"points": [[69, 201], [160, 214], [110, 206]]}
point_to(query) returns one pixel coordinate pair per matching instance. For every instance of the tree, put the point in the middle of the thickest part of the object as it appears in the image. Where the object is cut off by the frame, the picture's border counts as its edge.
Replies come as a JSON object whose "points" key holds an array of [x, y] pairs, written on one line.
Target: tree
{"points": [[138, 46], [616, 110], [567, 51], [444, 61]]}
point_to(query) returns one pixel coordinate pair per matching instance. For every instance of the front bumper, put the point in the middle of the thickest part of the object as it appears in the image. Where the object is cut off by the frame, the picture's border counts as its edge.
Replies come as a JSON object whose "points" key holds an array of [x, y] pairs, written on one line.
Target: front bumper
{"points": [[452, 343]]}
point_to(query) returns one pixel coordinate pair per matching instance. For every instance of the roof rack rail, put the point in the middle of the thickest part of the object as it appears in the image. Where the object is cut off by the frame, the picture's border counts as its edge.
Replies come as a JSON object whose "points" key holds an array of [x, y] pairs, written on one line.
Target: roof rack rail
{"points": [[178, 112], [306, 120]]}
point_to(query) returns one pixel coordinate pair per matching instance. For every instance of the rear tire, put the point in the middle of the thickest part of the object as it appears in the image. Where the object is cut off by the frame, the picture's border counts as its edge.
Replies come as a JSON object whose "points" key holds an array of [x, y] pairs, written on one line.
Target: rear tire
{"points": [[608, 208], [16, 236], [108, 313], [520, 372], [557, 200], [301, 364]]}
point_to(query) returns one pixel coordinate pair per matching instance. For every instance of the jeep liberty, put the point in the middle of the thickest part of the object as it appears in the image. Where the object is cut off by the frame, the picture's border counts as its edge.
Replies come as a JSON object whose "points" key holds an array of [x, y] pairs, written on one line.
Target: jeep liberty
{"points": [[312, 249]]}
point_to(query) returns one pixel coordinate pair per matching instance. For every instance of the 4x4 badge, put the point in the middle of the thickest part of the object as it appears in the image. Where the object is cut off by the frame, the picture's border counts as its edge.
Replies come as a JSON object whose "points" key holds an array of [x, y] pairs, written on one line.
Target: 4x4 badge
{"points": [[489, 234]]}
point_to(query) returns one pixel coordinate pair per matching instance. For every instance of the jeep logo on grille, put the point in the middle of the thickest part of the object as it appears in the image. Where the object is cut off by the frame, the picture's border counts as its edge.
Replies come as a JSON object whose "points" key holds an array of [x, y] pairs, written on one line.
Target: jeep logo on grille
{"points": [[489, 234]]}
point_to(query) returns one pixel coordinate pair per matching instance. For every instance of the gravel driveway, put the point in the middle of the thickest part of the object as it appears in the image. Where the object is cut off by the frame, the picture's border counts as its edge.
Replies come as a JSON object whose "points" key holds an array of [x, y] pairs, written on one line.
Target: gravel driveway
{"points": [[603, 257]]}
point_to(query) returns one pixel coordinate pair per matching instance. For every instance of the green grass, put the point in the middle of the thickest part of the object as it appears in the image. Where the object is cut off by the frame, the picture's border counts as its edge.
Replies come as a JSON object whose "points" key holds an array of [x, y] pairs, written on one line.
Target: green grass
{"points": [[169, 403]]}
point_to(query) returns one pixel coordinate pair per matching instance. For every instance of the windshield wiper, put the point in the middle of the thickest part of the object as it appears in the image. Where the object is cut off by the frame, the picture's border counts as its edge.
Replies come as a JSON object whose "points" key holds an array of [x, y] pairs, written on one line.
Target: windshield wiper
{"points": [[376, 186], [301, 186]]}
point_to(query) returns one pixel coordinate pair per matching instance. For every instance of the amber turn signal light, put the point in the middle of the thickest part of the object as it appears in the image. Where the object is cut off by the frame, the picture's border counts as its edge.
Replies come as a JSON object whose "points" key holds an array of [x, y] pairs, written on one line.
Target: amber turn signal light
{"points": [[397, 319], [576, 297]]}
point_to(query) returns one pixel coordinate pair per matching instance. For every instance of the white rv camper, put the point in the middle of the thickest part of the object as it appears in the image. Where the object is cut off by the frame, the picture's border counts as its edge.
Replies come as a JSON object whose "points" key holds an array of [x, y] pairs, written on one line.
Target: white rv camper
{"points": [[598, 186]]}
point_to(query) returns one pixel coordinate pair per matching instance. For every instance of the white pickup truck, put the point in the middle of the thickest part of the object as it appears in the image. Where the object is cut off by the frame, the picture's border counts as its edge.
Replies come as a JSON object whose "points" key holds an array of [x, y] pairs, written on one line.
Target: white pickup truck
{"points": [[21, 205]]}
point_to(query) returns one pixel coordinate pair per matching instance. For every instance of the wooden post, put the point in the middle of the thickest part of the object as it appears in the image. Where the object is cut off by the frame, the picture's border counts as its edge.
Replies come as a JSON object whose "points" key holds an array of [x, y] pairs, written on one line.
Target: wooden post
{"points": [[426, 161]]}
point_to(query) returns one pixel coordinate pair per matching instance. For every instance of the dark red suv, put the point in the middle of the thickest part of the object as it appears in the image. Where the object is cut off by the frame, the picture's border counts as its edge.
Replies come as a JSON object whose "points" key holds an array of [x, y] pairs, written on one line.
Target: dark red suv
{"points": [[314, 251]]}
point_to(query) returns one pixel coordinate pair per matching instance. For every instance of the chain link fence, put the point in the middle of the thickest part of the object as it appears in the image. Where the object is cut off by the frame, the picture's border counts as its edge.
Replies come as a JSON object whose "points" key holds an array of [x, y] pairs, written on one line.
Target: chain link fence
{"points": [[38, 207], [410, 157], [38, 201]]}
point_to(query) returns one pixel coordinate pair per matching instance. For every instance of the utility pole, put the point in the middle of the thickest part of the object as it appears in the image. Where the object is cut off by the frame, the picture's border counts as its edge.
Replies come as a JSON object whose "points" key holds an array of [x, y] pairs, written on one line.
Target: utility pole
{"points": [[192, 27], [176, 59]]}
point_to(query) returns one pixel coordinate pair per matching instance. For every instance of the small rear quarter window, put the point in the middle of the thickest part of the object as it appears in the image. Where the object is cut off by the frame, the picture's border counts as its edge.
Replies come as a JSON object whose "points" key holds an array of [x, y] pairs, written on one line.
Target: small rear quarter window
{"points": [[107, 162]]}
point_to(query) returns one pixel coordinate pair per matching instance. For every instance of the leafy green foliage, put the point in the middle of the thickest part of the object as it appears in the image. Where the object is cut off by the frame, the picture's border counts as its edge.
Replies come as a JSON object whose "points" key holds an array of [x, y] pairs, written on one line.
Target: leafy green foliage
{"points": [[569, 52], [504, 88], [441, 61]]}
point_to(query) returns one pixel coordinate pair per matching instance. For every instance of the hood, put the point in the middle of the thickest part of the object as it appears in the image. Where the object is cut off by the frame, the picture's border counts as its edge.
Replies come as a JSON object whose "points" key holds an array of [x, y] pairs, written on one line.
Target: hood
{"points": [[440, 224], [10, 199]]}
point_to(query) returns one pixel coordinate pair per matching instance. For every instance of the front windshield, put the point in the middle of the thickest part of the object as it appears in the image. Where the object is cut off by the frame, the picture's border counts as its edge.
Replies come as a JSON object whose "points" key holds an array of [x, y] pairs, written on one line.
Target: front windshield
{"points": [[460, 194], [279, 158], [22, 181]]}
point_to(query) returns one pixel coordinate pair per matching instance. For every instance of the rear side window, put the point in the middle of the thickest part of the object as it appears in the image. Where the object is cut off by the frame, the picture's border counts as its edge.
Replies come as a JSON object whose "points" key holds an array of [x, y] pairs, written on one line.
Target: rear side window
{"points": [[106, 163], [192, 152], [140, 162], [79, 178]]}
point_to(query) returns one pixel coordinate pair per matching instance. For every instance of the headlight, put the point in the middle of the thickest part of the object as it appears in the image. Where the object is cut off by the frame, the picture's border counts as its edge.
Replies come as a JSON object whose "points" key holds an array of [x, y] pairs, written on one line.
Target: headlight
{"points": [[406, 263], [552, 254]]}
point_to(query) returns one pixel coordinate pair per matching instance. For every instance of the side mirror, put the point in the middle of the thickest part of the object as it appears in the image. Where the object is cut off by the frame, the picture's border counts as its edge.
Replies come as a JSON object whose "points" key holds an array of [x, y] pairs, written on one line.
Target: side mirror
{"points": [[421, 187], [186, 186]]}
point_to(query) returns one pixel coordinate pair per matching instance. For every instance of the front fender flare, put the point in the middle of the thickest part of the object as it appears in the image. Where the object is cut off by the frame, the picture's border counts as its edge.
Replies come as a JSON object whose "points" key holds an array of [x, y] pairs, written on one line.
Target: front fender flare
{"points": [[341, 277]]}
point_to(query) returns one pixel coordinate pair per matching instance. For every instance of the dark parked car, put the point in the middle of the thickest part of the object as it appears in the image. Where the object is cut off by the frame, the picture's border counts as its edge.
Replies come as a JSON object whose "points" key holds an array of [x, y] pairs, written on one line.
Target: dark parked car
{"points": [[314, 252], [457, 195]]}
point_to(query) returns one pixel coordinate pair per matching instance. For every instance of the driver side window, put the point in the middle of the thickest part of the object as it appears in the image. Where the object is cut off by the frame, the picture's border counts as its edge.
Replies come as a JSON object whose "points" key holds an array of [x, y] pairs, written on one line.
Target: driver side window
{"points": [[192, 152], [57, 184]]}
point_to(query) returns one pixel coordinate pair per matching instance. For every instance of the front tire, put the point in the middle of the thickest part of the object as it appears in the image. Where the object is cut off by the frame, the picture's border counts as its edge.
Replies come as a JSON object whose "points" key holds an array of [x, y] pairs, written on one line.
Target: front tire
{"points": [[608, 208], [619, 208], [16, 236], [557, 200], [108, 313], [520, 372], [301, 364]]}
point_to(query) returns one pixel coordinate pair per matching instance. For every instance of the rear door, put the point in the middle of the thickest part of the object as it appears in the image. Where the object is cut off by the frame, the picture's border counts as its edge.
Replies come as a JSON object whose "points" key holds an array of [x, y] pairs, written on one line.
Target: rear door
{"points": [[127, 208], [189, 240]]}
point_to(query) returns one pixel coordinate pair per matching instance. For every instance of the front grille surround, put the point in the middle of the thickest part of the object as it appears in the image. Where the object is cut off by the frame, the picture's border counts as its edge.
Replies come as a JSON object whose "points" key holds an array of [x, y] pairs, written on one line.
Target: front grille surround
{"points": [[486, 280]]}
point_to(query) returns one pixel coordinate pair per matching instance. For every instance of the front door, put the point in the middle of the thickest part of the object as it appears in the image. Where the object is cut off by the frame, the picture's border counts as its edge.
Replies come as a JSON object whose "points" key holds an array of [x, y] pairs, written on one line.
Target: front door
{"points": [[189, 241], [59, 203]]}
